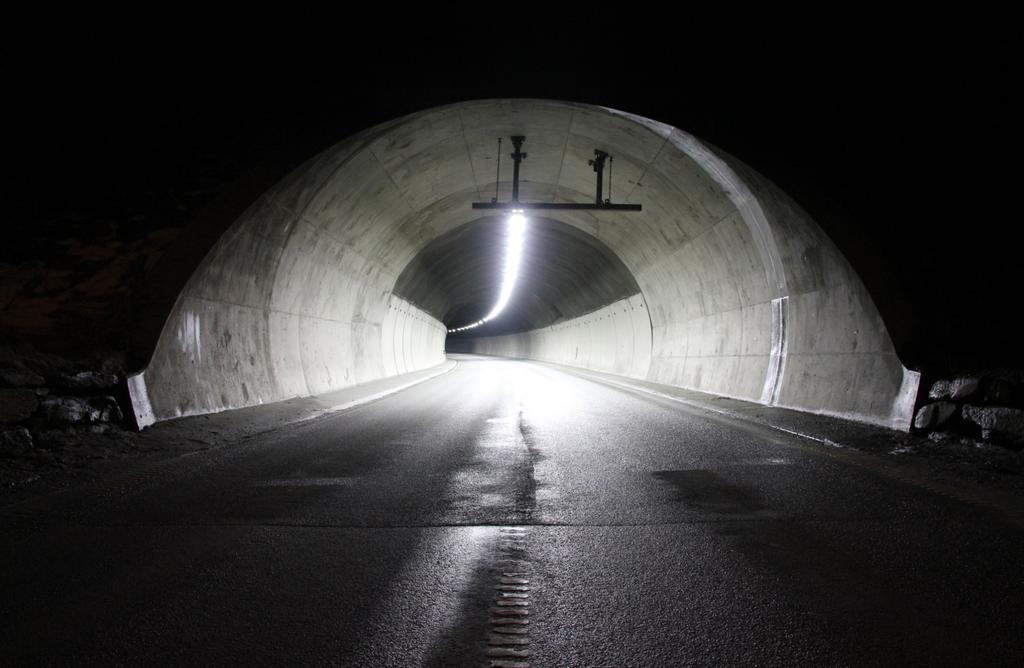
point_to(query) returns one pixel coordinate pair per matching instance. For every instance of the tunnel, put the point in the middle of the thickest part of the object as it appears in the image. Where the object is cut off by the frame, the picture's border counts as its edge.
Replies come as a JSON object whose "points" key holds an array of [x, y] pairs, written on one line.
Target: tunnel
{"points": [[353, 267]]}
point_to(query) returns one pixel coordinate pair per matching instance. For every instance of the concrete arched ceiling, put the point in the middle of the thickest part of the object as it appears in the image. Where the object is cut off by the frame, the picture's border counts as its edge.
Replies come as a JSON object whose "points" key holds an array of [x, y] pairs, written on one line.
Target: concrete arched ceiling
{"points": [[743, 294], [565, 273]]}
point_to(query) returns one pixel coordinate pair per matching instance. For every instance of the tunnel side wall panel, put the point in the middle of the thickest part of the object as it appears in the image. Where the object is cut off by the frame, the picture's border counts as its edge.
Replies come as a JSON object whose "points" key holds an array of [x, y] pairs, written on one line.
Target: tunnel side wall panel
{"points": [[707, 300], [604, 340], [750, 299], [839, 358], [415, 340], [279, 308]]}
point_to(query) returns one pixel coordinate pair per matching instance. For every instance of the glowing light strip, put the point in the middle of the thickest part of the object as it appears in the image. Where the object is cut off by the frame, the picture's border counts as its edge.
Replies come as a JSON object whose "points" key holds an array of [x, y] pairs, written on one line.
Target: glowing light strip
{"points": [[516, 232]]}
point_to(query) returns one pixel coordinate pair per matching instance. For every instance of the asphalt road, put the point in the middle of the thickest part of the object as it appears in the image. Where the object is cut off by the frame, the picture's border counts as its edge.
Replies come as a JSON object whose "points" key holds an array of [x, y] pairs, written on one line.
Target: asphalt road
{"points": [[514, 513]]}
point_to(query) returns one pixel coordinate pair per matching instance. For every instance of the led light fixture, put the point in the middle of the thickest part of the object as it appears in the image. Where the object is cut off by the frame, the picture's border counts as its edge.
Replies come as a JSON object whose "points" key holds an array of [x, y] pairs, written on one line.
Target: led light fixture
{"points": [[514, 236]]}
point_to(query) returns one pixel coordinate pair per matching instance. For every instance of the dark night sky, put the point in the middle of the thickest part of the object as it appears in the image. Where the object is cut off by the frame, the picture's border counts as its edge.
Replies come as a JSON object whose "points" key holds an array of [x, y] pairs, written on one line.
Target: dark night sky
{"points": [[882, 126]]}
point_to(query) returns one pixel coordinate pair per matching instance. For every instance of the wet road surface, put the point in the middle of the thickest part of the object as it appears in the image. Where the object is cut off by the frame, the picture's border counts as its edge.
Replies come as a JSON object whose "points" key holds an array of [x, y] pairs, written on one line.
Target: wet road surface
{"points": [[511, 514]]}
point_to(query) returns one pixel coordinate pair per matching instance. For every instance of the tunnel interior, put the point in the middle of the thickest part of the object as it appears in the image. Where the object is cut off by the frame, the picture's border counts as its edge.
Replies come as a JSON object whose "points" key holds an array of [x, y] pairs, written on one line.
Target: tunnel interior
{"points": [[565, 273], [351, 268]]}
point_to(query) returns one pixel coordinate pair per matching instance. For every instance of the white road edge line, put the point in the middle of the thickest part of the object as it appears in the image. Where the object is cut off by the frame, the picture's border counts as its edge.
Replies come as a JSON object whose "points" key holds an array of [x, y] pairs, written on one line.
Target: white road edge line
{"points": [[373, 397], [730, 414], [852, 455]]}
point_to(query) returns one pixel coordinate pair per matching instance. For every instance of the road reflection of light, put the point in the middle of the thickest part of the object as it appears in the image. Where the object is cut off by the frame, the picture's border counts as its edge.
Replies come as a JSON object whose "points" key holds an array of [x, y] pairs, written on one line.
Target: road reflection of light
{"points": [[548, 396], [427, 595]]}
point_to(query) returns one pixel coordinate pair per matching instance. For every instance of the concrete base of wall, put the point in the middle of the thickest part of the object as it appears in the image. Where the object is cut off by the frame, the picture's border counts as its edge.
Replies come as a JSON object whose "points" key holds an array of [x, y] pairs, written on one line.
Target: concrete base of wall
{"points": [[410, 340]]}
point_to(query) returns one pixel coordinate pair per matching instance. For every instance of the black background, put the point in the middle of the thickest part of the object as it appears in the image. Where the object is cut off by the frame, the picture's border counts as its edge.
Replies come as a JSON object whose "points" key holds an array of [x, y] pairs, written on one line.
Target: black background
{"points": [[896, 132]]}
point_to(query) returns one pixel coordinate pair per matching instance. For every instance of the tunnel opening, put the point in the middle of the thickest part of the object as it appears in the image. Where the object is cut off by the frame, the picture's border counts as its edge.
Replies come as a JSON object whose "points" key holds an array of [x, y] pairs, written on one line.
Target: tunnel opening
{"points": [[353, 267], [565, 273]]}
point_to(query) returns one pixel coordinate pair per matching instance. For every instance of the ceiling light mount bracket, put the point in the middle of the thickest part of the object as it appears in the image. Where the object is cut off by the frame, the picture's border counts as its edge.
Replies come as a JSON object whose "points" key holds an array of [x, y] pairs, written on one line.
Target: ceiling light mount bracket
{"points": [[599, 204]]}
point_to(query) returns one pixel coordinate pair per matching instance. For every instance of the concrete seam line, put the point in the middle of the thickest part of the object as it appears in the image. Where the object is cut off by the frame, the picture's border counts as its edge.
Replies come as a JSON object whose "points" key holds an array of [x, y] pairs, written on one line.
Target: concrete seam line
{"points": [[373, 397]]}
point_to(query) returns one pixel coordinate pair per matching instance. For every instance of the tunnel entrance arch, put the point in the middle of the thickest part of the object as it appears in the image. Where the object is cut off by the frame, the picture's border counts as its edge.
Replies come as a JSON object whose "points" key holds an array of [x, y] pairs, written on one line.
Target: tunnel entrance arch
{"points": [[745, 296]]}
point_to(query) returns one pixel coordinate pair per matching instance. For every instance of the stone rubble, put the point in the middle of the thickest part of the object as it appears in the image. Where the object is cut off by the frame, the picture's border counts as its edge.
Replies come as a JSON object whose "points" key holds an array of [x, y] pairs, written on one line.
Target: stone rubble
{"points": [[941, 389], [964, 388], [987, 406], [75, 410], [48, 402], [935, 415], [997, 422]]}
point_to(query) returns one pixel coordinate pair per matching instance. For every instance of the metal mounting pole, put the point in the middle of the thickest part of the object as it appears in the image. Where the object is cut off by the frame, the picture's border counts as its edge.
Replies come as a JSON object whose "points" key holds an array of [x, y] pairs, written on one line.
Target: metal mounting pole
{"points": [[515, 205], [497, 179], [517, 157], [598, 163], [611, 163]]}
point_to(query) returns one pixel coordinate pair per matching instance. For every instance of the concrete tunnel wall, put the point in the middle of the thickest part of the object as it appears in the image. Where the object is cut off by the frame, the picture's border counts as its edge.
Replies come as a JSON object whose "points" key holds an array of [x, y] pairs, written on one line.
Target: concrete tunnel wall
{"points": [[614, 339], [746, 296]]}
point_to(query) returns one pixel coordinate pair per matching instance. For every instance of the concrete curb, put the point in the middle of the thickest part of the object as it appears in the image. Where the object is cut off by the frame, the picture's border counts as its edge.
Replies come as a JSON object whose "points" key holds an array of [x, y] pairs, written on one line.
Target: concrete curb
{"points": [[703, 406]]}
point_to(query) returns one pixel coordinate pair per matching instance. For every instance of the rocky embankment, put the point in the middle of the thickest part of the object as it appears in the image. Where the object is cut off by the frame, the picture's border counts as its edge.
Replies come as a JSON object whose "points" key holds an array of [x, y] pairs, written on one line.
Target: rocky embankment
{"points": [[986, 407], [57, 413]]}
